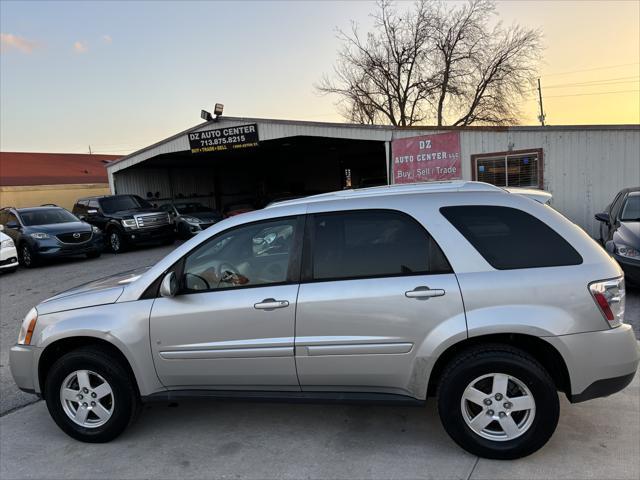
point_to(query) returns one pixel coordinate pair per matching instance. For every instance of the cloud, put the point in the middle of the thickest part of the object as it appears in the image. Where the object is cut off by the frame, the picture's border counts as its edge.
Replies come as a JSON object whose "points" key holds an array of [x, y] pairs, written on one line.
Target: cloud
{"points": [[9, 41], [107, 39], [80, 47]]}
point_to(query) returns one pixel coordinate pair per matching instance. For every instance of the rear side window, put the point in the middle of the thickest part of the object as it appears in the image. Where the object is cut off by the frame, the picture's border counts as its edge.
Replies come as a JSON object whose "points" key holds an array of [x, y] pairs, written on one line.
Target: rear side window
{"points": [[372, 243], [508, 238]]}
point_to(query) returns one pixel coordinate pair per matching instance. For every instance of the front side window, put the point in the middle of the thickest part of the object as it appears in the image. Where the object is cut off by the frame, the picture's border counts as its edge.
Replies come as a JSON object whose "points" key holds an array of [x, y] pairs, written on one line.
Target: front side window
{"points": [[372, 243], [631, 208], [47, 216], [509, 238], [258, 254], [511, 170]]}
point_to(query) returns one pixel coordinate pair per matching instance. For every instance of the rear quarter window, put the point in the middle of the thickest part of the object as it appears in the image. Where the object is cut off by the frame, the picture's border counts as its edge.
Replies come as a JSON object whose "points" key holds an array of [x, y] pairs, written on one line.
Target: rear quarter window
{"points": [[509, 238]]}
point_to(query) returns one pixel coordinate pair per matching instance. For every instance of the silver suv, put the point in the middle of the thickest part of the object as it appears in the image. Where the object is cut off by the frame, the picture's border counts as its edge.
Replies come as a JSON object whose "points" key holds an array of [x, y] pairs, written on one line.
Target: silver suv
{"points": [[486, 299]]}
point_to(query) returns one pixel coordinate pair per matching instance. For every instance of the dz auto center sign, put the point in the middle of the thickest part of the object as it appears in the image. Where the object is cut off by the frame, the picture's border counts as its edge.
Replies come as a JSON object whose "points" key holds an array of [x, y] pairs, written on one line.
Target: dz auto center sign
{"points": [[426, 158], [222, 139]]}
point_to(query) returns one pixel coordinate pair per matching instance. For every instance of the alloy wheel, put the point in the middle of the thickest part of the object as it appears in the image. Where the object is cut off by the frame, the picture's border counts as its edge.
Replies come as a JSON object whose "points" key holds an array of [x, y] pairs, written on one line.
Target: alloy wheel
{"points": [[114, 241], [87, 398], [26, 256], [498, 407]]}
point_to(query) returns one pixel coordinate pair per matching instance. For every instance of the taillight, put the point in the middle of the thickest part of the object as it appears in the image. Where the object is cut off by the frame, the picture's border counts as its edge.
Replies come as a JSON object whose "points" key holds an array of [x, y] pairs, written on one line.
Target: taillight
{"points": [[609, 296]]}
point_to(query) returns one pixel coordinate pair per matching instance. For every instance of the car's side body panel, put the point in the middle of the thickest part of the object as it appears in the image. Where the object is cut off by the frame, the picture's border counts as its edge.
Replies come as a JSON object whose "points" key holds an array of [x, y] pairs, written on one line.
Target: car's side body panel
{"points": [[368, 335], [124, 325]]}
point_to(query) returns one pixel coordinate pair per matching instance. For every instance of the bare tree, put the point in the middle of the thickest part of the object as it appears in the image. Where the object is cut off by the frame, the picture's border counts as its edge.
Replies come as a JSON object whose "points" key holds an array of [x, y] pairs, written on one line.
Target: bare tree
{"points": [[434, 63]]}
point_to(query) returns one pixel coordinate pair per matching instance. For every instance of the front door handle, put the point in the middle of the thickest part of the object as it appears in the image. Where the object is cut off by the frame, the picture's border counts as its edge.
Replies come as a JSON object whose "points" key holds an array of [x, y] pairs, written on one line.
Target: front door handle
{"points": [[270, 304], [424, 292]]}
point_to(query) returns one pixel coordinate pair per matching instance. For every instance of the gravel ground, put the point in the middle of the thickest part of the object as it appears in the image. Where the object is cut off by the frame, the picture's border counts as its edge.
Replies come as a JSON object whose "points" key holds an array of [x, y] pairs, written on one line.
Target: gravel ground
{"points": [[22, 290]]}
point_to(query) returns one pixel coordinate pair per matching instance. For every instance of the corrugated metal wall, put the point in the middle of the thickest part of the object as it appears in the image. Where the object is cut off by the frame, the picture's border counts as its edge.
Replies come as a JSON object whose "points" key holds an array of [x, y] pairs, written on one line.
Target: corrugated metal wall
{"points": [[583, 169]]}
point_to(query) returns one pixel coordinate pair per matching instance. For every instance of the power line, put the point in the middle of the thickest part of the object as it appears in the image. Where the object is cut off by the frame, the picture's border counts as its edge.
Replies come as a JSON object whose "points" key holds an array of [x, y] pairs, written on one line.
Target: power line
{"points": [[603, 81], [595, 93], [591, 69]]}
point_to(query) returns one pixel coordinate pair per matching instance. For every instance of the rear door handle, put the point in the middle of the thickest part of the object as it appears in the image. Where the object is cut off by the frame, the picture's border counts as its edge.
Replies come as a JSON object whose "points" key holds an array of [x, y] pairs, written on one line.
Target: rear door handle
{"points": [[270, 304], [424, 292]]}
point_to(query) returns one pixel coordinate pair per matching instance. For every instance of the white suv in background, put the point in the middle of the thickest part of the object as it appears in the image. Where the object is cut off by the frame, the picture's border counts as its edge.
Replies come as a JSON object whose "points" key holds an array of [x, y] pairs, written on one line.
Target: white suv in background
{"points": [[8, 254]]}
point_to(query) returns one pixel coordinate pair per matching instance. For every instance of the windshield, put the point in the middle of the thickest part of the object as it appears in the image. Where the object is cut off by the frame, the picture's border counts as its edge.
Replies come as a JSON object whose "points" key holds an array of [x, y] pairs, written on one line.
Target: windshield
{"points": [[631, 209], [192, 208], [47, 217], [121, 203]]}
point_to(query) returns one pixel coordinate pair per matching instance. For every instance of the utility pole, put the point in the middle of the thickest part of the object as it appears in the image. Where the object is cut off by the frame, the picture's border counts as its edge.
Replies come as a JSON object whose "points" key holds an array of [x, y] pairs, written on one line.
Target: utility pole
{"points": [[90, 150], [542, 115]]}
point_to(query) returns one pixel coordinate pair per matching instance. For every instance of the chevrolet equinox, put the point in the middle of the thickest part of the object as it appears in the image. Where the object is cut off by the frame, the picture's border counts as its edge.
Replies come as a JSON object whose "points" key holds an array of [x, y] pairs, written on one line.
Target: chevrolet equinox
{"points": [[488, 300]]}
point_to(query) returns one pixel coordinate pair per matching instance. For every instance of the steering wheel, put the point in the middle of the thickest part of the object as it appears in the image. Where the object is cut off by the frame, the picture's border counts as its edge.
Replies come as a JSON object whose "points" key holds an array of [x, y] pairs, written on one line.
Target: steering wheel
{"points": [[199, 278]]}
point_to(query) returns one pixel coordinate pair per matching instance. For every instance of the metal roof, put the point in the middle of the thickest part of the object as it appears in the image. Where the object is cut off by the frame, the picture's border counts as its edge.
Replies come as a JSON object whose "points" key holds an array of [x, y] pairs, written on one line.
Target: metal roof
{"points": [[389, 190], [278, 128]]}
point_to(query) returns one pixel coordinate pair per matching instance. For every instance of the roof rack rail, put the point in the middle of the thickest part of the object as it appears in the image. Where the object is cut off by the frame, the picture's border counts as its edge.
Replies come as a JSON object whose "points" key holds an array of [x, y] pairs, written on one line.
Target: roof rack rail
{"points": [[427, 187]]}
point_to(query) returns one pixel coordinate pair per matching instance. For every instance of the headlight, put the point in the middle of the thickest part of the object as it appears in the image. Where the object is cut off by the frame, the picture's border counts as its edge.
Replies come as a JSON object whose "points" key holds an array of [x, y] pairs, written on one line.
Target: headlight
{"points": [[8, 243], [191, 220], [627, 251], [40, 235], [129, 223], [27, 328], [95, 229]]}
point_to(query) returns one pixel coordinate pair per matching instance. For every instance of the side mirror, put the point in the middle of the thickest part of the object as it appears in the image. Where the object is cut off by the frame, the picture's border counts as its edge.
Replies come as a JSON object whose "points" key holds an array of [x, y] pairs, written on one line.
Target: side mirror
{"points": [[13, 225], [169, 285], [603, 217]]}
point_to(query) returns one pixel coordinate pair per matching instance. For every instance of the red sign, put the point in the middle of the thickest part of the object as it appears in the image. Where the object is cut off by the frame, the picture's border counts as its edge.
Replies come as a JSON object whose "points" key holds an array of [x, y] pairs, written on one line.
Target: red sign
{"points": [[427, 158]]}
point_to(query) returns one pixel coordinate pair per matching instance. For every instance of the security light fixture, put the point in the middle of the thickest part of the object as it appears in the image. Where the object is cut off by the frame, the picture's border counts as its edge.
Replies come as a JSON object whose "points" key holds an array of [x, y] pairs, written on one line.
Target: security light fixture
{"points": [[217, 109], [205, 115]]}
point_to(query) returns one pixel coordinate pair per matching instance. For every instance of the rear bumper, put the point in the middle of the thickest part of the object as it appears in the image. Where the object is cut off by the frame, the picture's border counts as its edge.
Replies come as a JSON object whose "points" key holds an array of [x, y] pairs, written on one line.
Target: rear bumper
{"points": [[599, 363]]}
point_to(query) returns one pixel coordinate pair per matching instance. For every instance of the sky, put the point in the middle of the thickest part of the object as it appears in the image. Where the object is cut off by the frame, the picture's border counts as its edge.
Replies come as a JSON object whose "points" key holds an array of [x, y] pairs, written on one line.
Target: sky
{"points": [[118, 76]]}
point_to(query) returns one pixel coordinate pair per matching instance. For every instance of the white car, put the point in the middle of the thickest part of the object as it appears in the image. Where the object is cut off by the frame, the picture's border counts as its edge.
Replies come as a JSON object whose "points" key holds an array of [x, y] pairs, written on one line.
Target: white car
{"points": [[8, 254]]}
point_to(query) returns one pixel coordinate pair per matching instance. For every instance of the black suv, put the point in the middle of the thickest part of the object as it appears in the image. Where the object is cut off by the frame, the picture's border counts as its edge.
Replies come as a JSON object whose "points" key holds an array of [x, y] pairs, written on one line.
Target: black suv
{"points": [[49, 232], [126, 220]]}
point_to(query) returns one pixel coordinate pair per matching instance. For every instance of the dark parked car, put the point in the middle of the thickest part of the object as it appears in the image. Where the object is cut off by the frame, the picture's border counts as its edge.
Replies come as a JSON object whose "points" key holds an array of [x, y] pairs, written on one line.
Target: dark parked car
{"points": [[49, 232], [126, 220], [190, 218], [620, 232]]}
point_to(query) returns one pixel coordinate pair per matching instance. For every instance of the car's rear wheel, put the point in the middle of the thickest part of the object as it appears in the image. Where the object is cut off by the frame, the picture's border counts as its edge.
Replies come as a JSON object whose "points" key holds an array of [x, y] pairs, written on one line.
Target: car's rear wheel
{"points": [[90, 396], [498, 402]]}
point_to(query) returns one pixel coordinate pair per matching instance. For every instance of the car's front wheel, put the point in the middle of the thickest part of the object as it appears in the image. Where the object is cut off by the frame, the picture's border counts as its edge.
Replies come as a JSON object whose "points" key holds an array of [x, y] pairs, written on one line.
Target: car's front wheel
{"points": [[26, 257], [90, 396], [498, 402], [116, 241]]}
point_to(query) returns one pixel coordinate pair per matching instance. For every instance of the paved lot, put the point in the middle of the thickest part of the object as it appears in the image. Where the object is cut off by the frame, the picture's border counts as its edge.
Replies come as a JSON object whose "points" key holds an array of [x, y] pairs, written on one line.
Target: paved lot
{"points": [[597, 439]]}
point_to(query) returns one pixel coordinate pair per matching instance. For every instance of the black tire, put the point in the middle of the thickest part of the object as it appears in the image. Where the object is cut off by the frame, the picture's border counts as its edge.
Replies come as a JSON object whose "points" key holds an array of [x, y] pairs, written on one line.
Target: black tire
{"points": [[94, 254], [168, 241], [26, 256], [183, 231], [126, 403], [116, 241], [484, 360]]}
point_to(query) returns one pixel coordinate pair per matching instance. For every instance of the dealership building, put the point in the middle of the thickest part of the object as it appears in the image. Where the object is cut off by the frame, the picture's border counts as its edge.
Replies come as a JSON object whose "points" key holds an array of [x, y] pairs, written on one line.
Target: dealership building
{"points": [[232, 161]]}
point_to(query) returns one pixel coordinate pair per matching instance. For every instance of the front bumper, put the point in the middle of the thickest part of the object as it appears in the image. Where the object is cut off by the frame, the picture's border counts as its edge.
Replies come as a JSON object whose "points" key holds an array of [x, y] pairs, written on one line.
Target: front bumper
{"points": [[8, 257], [630, 267], [599, 363], [53, 248], [22, 364], [142, 235]]}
